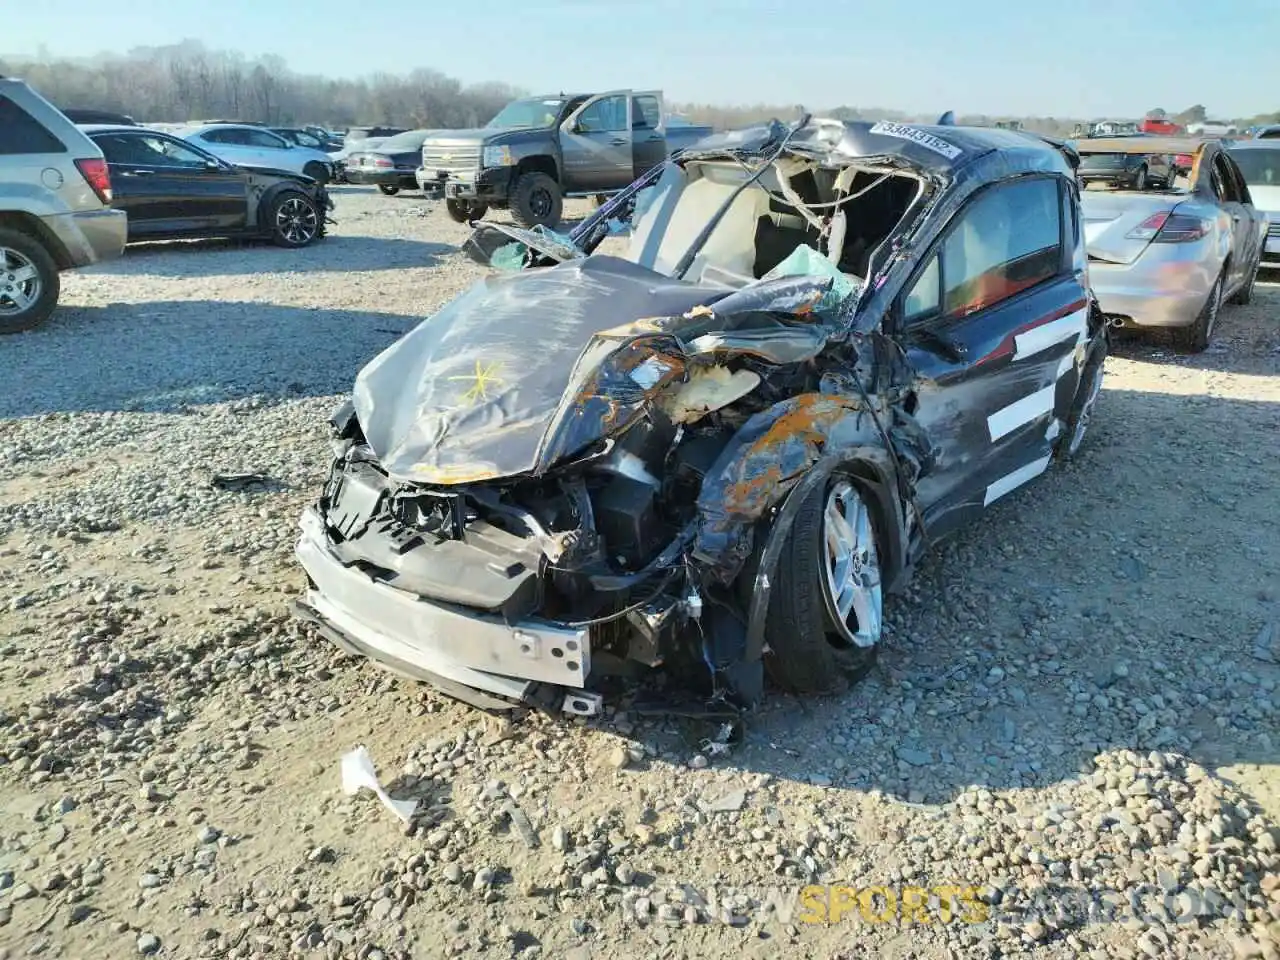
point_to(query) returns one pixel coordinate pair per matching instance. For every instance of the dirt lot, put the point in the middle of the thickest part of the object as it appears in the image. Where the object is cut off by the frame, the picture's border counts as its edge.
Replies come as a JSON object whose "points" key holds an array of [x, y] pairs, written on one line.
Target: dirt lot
{"points": [[1076, 706]]}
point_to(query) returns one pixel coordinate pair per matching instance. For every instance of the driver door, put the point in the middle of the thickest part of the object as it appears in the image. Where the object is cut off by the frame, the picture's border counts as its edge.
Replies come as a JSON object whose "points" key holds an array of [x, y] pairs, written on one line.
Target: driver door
{"points": [[994, 321], [595, 142]]}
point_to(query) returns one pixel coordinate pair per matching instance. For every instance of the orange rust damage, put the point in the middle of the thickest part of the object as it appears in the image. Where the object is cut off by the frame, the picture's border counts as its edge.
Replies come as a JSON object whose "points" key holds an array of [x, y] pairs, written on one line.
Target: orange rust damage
{"points": [[809, 422]]}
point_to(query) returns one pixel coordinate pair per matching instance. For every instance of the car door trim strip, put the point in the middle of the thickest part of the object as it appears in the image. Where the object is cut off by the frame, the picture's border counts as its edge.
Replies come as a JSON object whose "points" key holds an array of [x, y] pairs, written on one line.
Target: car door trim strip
{"points": [[1021, 412], [1011, 481], [1040, 338]]}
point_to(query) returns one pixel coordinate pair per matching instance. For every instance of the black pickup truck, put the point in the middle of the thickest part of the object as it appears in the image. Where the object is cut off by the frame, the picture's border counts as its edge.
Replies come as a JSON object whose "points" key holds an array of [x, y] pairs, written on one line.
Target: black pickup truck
{"points": [[539, 150]]}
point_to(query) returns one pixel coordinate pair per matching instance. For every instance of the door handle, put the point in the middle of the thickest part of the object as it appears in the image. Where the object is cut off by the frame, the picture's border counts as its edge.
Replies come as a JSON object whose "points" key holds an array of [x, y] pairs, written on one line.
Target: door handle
{"points": [[137, 173], [618, 142]]}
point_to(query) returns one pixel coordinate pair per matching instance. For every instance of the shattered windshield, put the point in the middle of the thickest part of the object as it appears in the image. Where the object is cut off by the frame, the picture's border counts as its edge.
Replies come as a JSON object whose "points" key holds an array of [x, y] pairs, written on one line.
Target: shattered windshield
{"points": [[796, 219], [527, 114]]}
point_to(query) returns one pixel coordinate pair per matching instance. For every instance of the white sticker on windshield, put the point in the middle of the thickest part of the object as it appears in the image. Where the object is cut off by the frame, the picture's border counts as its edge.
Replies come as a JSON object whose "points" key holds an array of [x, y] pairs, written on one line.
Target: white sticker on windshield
{"points": [[916, 135]]}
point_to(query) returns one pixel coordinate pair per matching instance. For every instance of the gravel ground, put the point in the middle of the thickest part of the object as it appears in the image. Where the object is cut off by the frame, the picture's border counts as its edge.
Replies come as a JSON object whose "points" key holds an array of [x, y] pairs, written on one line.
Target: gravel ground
{"points": [[1077, 704]]}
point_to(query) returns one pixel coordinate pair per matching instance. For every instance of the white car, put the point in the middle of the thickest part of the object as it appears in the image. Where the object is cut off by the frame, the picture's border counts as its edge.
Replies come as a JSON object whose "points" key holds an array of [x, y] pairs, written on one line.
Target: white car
{"points": [[250, 146], [1259, 163]]}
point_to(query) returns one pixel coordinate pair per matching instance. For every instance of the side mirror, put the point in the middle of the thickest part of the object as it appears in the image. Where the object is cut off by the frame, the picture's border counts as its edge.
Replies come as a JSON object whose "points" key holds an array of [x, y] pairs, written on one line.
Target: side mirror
{"points": [[212, 165]]}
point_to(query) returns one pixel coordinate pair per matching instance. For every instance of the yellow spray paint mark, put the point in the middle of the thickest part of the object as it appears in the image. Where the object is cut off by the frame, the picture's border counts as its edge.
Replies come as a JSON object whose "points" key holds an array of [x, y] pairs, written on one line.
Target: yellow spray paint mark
{"points": [[485, 376]]}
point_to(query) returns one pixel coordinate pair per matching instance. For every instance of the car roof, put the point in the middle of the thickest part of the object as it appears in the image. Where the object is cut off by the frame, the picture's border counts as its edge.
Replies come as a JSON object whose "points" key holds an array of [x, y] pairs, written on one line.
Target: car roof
{"points": [[943, 149], [92, 128]]}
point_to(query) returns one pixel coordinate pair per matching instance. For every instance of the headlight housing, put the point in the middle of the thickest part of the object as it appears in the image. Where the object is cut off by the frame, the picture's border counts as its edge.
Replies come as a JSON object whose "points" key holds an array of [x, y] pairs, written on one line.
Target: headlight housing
{"points": [[497, 157]]}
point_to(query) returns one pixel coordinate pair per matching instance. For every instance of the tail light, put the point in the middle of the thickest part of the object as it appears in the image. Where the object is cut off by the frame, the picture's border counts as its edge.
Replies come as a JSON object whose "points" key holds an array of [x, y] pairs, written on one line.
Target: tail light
{"points": [[95, 174], [382, 162], [1165, 227]]}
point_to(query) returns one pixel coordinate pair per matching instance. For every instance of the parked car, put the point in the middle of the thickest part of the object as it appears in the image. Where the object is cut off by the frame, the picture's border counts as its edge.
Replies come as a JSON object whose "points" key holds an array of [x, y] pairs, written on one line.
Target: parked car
{"points": [[1170, 259], [170, 188], [1270, 131], [55, 205], [827, 347], [1132, 171], [1161, 127], [340, 157], [1105, 128], [247, 145], [391, 164], [1259, 163], [538, 151]]}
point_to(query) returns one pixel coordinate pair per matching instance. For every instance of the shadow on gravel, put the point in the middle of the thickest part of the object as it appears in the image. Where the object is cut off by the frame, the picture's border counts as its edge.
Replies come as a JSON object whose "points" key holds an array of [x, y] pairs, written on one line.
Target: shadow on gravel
{"points": [[223, 258], [167, 355], [1119, 602], [1247, 338]]}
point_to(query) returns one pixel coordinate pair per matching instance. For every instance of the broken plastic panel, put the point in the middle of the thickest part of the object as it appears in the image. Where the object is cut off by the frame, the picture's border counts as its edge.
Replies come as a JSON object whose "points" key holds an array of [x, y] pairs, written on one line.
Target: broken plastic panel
{"points": [[358, 774]]}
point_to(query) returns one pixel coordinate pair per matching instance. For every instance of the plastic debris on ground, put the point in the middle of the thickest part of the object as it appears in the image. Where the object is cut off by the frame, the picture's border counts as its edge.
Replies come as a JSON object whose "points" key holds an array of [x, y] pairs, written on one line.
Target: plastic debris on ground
{"points": [[804, 261], [358, 774]]}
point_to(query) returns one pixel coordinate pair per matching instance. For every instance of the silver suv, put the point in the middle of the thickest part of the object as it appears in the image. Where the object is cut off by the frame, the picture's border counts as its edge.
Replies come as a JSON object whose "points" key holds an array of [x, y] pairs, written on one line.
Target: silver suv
{"points": [[55, 205]]}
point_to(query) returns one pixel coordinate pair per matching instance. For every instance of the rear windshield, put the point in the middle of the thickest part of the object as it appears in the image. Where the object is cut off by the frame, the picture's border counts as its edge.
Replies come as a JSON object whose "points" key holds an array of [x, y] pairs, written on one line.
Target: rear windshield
{"points": [[1261, 168], [528, 114]]}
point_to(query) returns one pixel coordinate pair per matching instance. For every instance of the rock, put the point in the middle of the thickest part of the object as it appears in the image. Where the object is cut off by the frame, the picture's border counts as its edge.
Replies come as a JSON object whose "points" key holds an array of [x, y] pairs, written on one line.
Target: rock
{"points": [[321, 854], [78, 913], [619, 758], [149, 881], [148, 943], [699, 762], [381, 909], [23, 891], [208, 834], [560, 838], [484, 878], [624, 873], [452, 873], [916, 758], [730, 802]]}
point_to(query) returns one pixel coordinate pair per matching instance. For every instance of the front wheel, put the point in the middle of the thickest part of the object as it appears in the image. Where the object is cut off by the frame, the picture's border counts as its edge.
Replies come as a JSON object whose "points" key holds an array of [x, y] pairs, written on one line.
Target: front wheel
{"points": [[295, 220], [826, 607], [1140, 178], [1086, 399], [389, 190], [29, 281], [1196, 337], [464, 211], [536, 200]]}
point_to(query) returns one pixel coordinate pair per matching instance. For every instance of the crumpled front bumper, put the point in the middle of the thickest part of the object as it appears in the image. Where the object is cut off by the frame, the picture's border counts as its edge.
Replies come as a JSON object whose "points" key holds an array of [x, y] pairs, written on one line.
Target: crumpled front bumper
{"points": [[451, 647]]}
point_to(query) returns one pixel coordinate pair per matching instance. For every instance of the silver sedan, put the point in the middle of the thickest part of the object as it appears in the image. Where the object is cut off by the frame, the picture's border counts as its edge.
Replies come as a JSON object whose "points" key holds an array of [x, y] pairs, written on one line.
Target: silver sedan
{"points": [[1171, 256]]}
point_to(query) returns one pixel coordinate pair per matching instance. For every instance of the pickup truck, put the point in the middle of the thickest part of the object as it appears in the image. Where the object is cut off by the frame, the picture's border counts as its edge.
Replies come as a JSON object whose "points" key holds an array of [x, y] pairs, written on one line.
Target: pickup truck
{"points": [[539, 150]]}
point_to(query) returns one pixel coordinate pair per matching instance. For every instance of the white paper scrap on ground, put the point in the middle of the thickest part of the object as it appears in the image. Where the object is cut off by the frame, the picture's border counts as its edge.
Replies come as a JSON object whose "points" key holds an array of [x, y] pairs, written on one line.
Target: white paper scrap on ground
{"points": [[358, 772]]}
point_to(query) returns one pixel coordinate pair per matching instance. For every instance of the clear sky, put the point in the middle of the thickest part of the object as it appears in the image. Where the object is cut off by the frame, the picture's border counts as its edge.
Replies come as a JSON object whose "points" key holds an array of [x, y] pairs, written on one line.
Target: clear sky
{"points": [[1079, 58]]}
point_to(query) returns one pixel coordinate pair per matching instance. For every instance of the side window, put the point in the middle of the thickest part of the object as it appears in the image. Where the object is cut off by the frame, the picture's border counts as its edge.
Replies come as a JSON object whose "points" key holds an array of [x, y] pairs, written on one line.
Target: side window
{"points": [[1236, 179], [306, 140], [925, 297], [1218, 180], [604, 116], [646, 114], [22, 133], [261, 138], [1006, 240], [220, 136], [170, 153]]}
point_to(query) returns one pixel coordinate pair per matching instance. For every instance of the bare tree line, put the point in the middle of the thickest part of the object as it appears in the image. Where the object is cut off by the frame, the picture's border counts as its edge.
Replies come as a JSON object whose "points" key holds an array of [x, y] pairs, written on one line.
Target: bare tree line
{"points": [[187, 81]]}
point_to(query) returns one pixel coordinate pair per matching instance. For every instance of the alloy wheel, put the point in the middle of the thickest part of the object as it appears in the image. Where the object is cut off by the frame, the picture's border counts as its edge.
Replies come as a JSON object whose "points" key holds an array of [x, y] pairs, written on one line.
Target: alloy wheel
{"points": [[20, 285], [297, 221], [852, 589]]}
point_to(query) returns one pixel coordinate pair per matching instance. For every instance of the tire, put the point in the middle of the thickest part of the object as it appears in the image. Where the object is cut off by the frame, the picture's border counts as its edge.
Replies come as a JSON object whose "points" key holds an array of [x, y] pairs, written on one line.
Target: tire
{"points": [[808, 652], [1140, 178], [1196, 337], [317, 172], [29, 281], [295, 220], [535, 199], [389, 190], [464, 211], [1244, 296]]}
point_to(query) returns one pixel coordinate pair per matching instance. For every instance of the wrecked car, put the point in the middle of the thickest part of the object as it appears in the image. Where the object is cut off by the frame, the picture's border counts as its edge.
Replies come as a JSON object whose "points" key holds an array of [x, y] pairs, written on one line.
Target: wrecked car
{"points": [[826, 346]]}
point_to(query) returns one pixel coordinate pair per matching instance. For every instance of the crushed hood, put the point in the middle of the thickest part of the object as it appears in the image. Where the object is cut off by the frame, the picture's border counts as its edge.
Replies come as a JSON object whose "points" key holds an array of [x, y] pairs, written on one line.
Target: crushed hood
{"points": [[489, 387]]}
